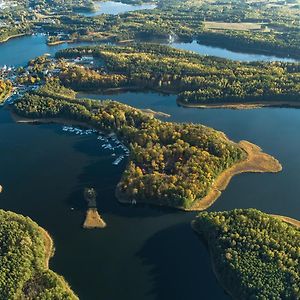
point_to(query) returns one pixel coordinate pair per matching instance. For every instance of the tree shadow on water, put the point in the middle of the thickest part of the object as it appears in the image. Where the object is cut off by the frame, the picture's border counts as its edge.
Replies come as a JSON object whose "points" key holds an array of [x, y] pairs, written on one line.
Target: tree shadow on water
{"points": [[181, 268]]}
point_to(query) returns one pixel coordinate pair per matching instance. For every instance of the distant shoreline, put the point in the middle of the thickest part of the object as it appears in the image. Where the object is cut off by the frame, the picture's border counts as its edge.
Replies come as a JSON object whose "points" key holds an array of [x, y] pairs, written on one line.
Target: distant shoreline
{"points": [[241, 105], [13, 36]]}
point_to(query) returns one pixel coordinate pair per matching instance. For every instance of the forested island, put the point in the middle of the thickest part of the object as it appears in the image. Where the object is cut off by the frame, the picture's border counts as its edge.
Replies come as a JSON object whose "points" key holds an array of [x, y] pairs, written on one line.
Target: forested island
{"points": [[25, 251], [198, 80], [254, 255], [5, 89], [170, 164]]}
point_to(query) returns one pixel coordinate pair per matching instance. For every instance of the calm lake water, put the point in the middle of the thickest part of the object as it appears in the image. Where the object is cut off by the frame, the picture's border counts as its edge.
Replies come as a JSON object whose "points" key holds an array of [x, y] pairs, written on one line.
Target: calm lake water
{"points": [[224, 53], [115, 8], [145, 252]]}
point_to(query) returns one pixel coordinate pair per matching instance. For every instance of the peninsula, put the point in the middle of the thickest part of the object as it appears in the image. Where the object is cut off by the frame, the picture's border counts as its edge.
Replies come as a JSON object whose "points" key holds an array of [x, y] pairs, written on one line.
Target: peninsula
{"points": [[176, 165], [254, 255], [199, 81], [24, 261], [92, 219]]}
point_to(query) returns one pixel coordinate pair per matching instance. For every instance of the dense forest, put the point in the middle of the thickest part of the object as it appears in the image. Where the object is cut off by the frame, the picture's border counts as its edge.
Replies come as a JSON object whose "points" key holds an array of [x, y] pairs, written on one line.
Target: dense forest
{"points": [[256, 26], [256, 256], [23, 265], [260, 26], [5, 89], [197, 79], [170, 164]]}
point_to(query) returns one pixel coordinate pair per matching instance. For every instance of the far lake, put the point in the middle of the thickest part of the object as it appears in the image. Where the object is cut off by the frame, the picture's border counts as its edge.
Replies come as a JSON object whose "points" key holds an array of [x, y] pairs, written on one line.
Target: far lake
{"points": [[115, 8], [224, 53]]}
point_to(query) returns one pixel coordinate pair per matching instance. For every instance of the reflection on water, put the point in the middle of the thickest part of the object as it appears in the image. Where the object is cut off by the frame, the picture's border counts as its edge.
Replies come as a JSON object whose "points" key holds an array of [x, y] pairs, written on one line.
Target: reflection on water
{"points": [[115, 8]]}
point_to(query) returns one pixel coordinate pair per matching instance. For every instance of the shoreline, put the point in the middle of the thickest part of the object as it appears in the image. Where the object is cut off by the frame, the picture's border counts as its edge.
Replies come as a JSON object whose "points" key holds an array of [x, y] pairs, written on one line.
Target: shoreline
{"points": [[13, 36], [285, 219], [93, 220], [256, 162], [212, 262], [59, 42], [242, 106], [49, 246], [49, 253]]}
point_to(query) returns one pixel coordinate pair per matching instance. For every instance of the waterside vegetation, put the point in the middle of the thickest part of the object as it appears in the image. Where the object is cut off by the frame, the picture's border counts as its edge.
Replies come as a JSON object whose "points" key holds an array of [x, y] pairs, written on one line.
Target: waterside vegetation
{"points": [[254, 255], [25, 251], [170, 164], [198, 80]]}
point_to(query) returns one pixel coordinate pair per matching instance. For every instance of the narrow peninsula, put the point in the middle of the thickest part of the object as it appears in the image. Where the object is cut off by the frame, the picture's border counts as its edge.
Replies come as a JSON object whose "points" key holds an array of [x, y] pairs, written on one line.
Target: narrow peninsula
{"points": [[92, 219], [254, 255], [170, 164]]}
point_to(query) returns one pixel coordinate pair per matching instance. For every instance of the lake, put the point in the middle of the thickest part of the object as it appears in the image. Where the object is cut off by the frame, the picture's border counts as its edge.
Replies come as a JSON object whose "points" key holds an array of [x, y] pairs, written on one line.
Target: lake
{"points": [[116, 8], [225, 53], [145, 252]]}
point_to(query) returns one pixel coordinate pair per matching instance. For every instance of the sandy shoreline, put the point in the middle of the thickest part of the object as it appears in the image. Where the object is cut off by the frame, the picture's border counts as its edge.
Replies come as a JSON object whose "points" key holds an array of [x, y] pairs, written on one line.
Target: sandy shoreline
{"points": [[288, 220], [93, 219], [12, 37], [49, 246], [256, 162], [254, 105]]}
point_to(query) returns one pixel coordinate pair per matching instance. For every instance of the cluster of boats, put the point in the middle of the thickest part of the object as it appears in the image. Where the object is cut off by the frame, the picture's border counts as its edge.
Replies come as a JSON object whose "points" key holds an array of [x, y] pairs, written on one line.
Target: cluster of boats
{"points": [[108, 142], [78, 130], [113, 144]]}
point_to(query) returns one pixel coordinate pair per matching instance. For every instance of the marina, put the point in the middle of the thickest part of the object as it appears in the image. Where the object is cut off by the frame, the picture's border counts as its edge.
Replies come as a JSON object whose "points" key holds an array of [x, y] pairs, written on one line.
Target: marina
{"points": [[109, 142]]}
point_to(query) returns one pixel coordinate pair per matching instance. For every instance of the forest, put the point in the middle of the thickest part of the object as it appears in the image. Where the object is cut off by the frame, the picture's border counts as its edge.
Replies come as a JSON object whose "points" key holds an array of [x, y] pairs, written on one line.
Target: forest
{"points": [[266, 27], [5, 89], [170, 164], [23, 270], [196, 79], [243, 25], [255, 255]]}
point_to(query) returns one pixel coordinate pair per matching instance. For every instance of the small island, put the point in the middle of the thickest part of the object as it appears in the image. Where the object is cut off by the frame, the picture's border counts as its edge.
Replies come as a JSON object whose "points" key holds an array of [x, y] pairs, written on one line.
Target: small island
{"points": [[25, 252], [92, 219], [254, 255], [184, 166]]}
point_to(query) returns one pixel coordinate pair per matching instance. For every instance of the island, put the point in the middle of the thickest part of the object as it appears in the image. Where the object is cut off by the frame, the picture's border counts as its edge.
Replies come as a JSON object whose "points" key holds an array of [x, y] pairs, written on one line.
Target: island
{"points": [[199, 81], [170, 164], [254, 255], [92, 219], [25, 252]]}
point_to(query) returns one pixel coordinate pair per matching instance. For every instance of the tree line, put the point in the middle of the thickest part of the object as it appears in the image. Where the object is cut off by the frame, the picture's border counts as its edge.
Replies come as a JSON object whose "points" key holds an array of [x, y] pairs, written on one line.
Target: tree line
{"points": [[255, 255], [170, 164]]}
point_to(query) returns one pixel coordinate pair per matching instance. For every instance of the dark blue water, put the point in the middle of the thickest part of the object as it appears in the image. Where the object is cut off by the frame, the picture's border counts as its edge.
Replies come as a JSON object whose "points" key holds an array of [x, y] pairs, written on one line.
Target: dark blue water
{"points": [[145, 252]]}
